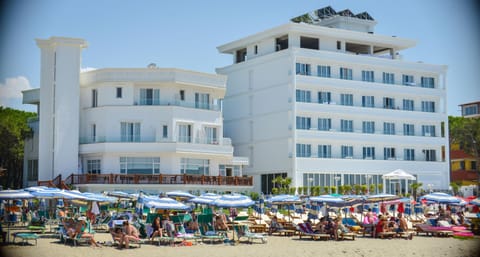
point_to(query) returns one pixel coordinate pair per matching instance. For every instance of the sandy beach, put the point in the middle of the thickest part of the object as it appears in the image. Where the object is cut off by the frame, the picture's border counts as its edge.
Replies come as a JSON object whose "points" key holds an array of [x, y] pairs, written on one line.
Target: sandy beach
{"points": [[277, 246]]}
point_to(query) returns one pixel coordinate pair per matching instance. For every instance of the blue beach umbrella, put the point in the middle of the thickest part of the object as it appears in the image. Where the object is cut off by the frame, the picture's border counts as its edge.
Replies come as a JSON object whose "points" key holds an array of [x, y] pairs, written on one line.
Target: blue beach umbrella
{"points": [[165, 203], [180, 194], [441, 198], [206, 198], [233, 201]]}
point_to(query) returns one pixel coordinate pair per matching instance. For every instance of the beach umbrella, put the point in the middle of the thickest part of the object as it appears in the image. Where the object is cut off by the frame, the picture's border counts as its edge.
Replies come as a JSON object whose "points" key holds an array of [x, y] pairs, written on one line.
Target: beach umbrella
{"points": [[329, 200], [15, 194], [440, 198], [233, 201], [475, 202], [381, 198], [206, 198], [180, 194], [284, 199], [165, 203]]}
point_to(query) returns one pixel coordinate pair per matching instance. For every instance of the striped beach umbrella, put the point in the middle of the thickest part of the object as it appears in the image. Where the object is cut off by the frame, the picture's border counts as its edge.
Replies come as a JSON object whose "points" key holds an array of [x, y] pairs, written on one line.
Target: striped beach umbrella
{"points": [[233, 201]]}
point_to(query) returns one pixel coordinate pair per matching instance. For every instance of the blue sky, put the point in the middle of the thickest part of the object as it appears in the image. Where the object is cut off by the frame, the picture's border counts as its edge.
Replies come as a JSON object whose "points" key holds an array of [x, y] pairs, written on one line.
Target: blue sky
{"points": [[185, 33]]}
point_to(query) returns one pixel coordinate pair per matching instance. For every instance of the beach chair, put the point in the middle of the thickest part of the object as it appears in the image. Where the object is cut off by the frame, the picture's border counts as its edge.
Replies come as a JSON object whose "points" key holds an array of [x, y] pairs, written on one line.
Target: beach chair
{"points": [[184, 236], [242, 230], [207, 231], [102, 224], [305, 230]]}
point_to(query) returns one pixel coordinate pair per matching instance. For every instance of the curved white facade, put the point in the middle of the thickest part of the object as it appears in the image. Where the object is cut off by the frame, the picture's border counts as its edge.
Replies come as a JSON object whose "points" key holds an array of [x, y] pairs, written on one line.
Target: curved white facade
{"points": [[143, 121]]}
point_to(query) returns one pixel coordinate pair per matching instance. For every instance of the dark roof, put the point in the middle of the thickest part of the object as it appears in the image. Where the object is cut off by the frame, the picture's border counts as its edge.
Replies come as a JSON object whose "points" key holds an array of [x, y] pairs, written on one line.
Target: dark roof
{"points": [[364, 16], [346, 13], [326, 12]]}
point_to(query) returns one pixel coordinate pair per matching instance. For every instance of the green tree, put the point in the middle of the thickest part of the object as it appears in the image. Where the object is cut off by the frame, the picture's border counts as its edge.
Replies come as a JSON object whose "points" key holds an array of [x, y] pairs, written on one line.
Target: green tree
{"points": [[341, 189], [13, 130], [348, 188], [282, 184], [357, 188], [371, 188], [415, 187], [466, 133], [364, 189], [380, 187]]}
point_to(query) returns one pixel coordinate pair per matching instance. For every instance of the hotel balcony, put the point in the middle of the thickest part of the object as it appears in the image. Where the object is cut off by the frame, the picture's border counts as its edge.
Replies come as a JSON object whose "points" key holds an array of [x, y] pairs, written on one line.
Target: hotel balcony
{"points": [[153, 144]]}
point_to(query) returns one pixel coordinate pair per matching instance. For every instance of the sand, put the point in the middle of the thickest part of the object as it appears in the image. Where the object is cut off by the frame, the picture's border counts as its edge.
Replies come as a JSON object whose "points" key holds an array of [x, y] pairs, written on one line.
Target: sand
{"points": [[277, 246]]}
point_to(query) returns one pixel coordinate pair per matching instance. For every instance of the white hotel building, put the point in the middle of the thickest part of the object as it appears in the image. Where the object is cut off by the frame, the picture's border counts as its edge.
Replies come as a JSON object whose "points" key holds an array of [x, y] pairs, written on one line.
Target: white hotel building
{"points": [[147, 129], [327, 102]]}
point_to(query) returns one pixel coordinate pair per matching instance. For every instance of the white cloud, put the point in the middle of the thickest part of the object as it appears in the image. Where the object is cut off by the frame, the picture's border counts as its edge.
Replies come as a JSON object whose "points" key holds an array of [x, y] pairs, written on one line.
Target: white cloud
{"points": [[87, 69], [11, 91]]}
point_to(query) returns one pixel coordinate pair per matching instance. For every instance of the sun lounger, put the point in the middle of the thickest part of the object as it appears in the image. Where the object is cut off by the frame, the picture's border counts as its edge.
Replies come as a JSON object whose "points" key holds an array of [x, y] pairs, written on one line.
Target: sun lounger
{"points": [[434, 231], [305, 230], [243, 231], [25, 237], [386, 234]]}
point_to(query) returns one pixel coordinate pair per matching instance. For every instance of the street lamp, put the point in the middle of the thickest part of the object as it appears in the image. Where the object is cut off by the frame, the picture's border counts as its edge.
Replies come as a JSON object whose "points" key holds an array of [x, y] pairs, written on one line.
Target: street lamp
{"points": [[430, 187], [368, 182], [310, 184], [337, 178]]}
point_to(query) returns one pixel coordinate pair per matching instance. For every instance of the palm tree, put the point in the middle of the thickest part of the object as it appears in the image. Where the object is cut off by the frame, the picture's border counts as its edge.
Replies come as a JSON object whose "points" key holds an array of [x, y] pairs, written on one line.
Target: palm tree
{"points": [[415, 187]]}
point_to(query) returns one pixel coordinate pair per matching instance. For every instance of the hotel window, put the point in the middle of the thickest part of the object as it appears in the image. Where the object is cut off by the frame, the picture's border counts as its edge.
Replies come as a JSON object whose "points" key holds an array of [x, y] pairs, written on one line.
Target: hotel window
{"points": [[94, 98], [428, 82], [309, 43], [303, 123], [388, 153], [94, 166], [369, 152], [182, 95], [430, 155], [388, 78], [428, 130], [165, 131], [211, 133], [241, 55], [473, 165], [324, 151], [140, 165], [32, 170], [346, 99], [339, 45], [408, 80], [408, 130], [130, 131], [346, 125], [184, 133], [281, 43], [389, 128], [255, 49], [368, 101], [303, 96], [191, 166], [388, 103], [408, 105], [303, 150], [303, 69], [149, 96], [368, 127], [324, 124], [470, 110], [324, 97], [428, 106], [119, 92], [409, 154], [462, 165], [202, 101], [346, 73], [323, 71], [347, 151], [94, 132], [367, 75]]}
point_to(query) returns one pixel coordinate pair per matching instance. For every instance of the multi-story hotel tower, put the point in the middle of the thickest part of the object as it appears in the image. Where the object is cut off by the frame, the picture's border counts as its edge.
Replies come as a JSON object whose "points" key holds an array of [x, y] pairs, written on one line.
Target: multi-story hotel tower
{"points": [[327, 102]]}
